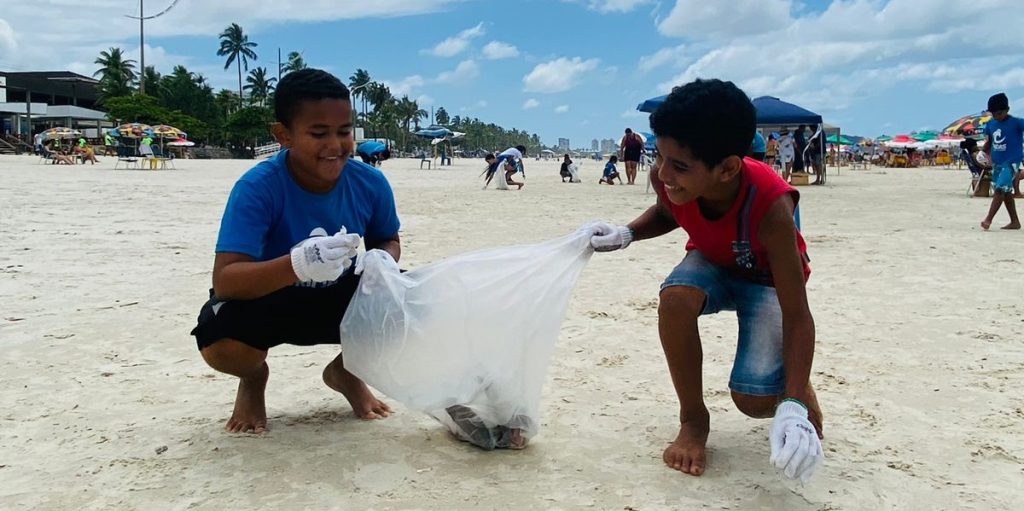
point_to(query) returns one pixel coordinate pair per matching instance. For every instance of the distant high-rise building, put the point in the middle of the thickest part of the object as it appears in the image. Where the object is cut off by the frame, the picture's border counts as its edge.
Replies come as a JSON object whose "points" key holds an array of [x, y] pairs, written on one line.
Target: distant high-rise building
{"points": [[594, 145], [609, 145], [563, 145]]}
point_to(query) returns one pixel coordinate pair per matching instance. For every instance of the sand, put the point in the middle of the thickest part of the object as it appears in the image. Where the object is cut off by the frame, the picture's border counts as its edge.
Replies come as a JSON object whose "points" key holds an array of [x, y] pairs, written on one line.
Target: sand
{"points": [[106, 404]]}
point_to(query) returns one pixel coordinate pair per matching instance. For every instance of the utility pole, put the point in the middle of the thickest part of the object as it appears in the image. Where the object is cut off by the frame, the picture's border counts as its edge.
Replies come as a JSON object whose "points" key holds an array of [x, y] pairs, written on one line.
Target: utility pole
{"points": [[278, 64], [142, 51], [142, 40]]}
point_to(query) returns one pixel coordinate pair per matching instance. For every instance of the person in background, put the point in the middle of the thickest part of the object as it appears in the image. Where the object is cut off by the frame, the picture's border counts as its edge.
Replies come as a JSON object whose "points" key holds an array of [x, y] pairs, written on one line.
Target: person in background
{"points": [[1004, 137], [758, 148]]}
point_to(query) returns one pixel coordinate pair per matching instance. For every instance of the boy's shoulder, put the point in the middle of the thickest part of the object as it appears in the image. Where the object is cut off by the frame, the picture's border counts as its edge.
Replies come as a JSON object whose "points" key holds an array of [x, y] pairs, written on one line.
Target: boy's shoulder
{"points": [[363, 172]]}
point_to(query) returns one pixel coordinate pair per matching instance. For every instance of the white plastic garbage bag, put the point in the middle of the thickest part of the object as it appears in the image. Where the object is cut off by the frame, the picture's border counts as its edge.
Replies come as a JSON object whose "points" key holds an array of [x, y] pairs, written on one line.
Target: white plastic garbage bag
{"points": [[574, 173], [467, 339]]}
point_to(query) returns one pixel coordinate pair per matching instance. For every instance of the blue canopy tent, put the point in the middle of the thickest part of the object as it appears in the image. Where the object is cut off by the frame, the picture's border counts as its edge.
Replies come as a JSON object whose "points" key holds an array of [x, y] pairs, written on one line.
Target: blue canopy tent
{"points": [[371, 146]]}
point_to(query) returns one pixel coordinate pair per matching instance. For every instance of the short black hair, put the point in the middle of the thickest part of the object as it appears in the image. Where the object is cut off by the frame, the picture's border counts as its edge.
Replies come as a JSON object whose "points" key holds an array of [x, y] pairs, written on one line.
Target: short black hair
{"points": [[490, 156], [714, 119], [305, 85], [613, 159], [521, 148]]}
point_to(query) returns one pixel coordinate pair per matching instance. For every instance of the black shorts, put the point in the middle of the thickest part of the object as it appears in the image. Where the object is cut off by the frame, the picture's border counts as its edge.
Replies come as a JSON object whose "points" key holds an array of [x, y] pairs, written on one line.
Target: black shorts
{"points": [[303, 316], [630, 154]]}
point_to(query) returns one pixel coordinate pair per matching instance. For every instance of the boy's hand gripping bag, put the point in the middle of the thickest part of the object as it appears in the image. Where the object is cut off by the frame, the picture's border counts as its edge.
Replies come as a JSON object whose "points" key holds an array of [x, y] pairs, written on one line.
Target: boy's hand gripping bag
{"points": [[467, 339]]}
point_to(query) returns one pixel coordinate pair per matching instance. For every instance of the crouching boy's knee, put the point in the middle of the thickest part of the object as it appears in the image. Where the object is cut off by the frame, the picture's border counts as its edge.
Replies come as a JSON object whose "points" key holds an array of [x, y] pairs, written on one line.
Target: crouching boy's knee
{"points": [[680, 302], [233, 357], [758, 407]]}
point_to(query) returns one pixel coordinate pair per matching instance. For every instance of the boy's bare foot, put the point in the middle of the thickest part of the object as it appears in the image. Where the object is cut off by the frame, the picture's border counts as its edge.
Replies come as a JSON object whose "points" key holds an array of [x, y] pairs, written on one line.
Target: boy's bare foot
{"points": [[985, 224], [363, 402], [687, 452], [1012, 226], [250, 413]]}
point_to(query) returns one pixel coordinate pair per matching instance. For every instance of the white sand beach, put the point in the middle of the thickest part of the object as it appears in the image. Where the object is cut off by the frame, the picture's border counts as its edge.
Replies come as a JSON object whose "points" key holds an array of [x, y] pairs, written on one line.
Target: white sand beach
{"points": [[106, 403]]}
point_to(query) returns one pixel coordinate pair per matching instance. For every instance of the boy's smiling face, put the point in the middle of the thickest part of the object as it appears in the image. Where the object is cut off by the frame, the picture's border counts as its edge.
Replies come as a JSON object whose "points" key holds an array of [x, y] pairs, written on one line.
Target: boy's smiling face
{"points": [[687, 178], [320, 141]]}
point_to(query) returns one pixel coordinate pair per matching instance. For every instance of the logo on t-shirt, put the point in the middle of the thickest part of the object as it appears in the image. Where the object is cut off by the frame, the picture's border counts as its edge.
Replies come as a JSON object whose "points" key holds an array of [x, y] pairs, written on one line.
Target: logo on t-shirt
{"points": [[998, 140]]}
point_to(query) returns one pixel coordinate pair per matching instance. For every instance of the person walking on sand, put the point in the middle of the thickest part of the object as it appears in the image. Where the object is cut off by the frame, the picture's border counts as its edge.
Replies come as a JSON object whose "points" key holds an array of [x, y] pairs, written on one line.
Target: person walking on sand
{"points": [[1004, 136], [631, 146], [744, 254], [279, 275]]}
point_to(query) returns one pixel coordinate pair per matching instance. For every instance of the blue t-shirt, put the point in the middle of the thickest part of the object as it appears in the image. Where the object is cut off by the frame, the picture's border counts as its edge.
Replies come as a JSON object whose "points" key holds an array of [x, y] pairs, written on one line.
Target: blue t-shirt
{"points": [[758, 145], [1007, 139], [609, 170], [268, 213]]}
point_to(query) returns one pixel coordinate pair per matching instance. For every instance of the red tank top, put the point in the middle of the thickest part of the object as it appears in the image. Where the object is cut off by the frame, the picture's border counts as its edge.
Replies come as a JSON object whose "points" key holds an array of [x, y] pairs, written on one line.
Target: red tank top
{"points": [[732, 241]]}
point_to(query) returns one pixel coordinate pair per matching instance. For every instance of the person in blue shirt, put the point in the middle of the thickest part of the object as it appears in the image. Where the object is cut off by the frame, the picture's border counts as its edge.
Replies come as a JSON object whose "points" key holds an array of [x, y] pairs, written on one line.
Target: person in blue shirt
{"points": [[610, 173], [292, 224], [758, 147], [1004, 138]]}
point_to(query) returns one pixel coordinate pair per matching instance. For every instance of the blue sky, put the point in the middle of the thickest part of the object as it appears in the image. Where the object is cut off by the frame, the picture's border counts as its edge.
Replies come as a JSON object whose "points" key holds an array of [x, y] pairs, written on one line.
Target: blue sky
{"points": [[577, 68]]}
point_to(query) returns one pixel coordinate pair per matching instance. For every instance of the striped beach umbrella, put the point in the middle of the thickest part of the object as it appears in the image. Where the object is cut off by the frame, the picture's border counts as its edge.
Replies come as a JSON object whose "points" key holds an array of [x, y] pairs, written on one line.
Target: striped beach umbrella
{"points": [[165, 131], [133, 129], [968, 124], [60, 132]]}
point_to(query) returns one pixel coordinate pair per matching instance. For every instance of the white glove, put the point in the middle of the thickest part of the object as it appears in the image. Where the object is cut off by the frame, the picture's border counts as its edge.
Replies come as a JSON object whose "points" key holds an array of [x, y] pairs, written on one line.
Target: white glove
{"points": [[383, 259], [796, 449], [608, 237], [324, 258]]}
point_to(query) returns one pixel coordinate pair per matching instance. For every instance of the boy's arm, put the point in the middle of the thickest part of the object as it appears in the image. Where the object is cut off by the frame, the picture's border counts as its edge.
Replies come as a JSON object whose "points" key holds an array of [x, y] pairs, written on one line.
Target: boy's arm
{"points": [[657, 220], [240, 277], [778, 235], [392, 246]]}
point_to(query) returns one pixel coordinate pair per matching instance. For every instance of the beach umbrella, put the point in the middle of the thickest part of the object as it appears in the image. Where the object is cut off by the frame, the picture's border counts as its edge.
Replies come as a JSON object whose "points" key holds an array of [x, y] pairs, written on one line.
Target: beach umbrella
{"points": [[883, 138], [433, 133], [652, 104], [840, 139], [968, 124], [181, 142], [165, 131], [371, 146], [133, 129], [60, 132], [924, 136]]}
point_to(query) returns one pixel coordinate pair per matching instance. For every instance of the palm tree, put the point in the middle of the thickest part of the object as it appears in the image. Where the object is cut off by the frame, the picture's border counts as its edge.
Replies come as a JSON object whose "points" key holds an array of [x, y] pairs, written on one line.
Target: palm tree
{"points": [[116, 73], [238, 49], [151, 77], [295, 63], [259, 85], [358, 83]]}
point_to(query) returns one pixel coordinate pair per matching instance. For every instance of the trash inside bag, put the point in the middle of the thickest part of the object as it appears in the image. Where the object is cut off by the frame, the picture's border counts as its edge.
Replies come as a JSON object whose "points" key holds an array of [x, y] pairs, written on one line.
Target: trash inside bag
{"points": [[467, 339]]}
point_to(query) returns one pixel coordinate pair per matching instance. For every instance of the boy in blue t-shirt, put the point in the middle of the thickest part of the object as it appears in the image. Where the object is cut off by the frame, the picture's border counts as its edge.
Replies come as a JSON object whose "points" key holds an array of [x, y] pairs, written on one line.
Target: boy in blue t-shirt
{"points": [[610, 172], [279, 275], [1004, 138]]}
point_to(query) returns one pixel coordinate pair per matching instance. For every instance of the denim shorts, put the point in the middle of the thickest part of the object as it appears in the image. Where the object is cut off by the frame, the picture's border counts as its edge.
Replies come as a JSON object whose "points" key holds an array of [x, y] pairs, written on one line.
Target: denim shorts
{"points": [[758, 368], [1002, 176]]}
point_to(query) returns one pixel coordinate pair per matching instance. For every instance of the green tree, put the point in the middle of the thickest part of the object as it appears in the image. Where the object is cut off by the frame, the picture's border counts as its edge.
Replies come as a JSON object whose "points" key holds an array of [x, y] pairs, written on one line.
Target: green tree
{"points": [[151, 78], [295, 63], [250, 125], [236, 46], [116, 74], [259, 85], [441, 116], [358, 83], [147, 109]]}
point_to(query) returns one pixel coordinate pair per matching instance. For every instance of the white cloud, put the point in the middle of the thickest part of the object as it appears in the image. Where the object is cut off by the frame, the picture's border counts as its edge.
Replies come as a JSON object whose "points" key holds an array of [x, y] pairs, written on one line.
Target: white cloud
{"points": [[561, 109], [8, 44], [558, 75], [853, 50], [734, 18], [530, 103], [466, 70], [496, 50], [81, 36], [424, 100], [405, 86], [456, 44], [611, 6], [672, 56]]}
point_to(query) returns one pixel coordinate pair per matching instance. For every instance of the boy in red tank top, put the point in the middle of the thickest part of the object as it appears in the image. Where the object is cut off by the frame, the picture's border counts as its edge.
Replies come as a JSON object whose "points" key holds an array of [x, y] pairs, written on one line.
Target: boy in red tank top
{"points": [[744, 254]]}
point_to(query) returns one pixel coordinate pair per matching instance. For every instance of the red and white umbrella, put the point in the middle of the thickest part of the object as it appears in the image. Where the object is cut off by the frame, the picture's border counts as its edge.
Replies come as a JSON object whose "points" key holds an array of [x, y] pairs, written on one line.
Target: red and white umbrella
{"points": [[181, 142]]}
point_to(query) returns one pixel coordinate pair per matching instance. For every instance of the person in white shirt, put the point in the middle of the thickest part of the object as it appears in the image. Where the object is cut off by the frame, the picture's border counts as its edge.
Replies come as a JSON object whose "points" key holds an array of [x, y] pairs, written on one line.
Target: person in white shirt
{"points": [[787, 152]]}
